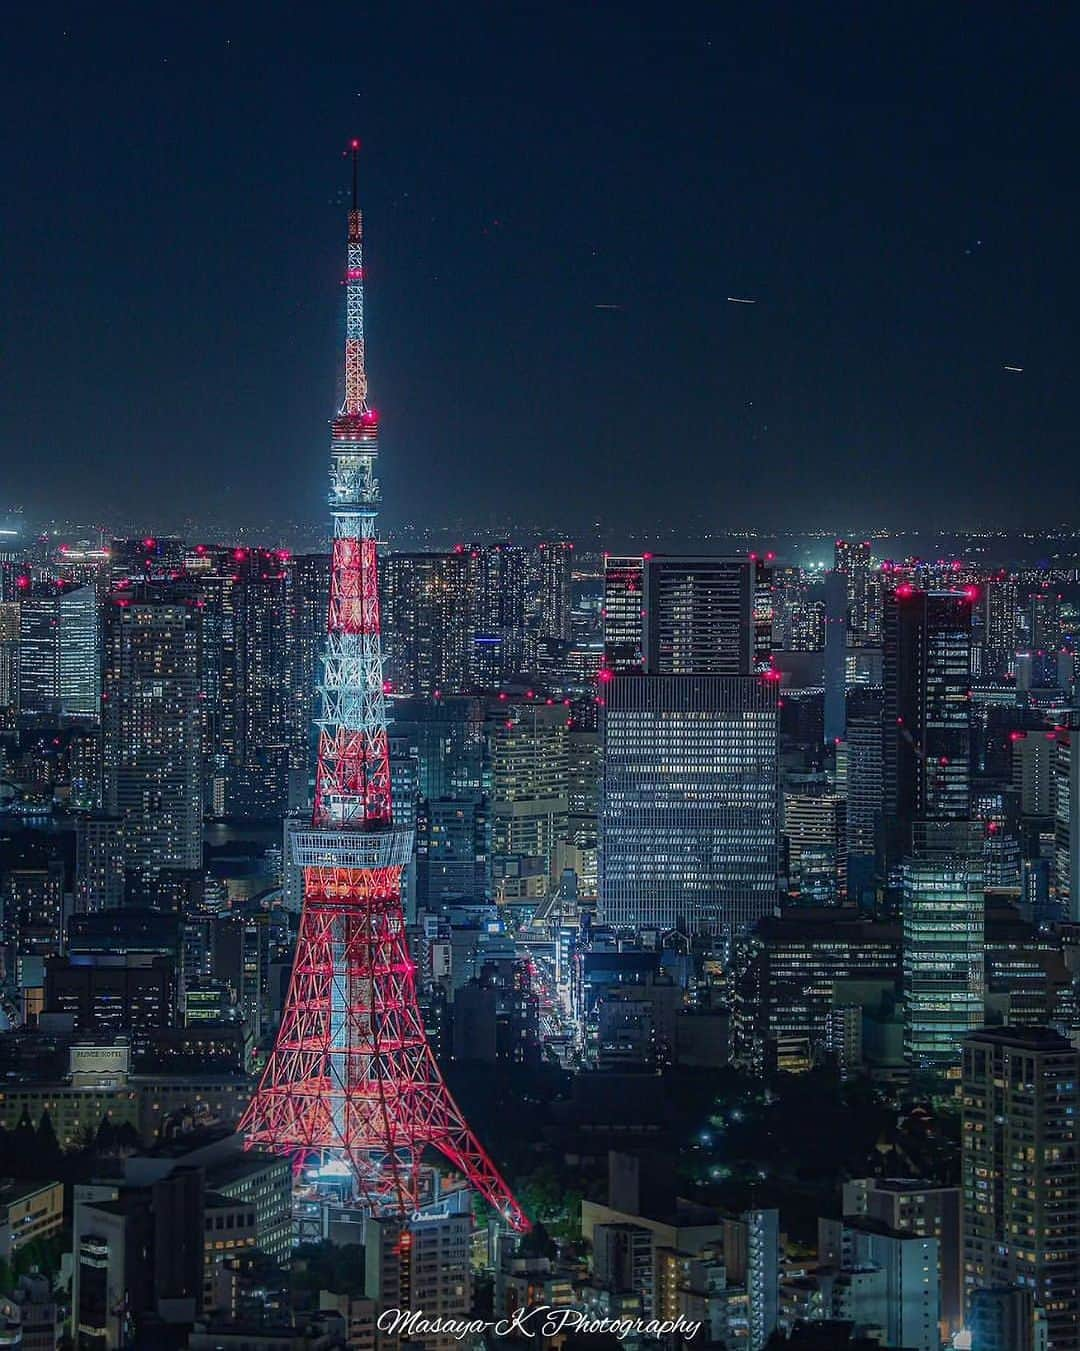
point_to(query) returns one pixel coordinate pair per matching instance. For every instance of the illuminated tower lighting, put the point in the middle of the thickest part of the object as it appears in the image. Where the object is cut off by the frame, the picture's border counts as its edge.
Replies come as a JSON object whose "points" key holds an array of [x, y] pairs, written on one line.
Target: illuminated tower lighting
{"points": [[351, 1081]]}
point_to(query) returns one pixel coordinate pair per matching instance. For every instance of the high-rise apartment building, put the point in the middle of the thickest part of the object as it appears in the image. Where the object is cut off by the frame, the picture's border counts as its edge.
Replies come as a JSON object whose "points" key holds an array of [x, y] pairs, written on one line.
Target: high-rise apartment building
{"points": [[247, 694], [799, 610], [1020, 1137], [853, 561], [1034, 764], [422, 1265], [834, 663], [762, 1276], [100, 862], [260, 781], [308, 602], [998, 611], [151, 742], [219, 587], [497, 575], [32, 904], [864, 783], [425, 617], [555, 599]]}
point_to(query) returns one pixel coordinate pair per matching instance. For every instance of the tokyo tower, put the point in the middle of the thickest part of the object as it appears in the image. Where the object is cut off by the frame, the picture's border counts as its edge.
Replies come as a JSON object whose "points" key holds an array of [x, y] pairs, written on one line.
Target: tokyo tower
{"points": [[351, 1079]]}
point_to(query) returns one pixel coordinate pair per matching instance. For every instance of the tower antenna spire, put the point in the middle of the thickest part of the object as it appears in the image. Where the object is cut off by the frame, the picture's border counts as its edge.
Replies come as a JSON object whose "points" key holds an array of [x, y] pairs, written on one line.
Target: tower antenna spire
{"points": [[354, 150]]}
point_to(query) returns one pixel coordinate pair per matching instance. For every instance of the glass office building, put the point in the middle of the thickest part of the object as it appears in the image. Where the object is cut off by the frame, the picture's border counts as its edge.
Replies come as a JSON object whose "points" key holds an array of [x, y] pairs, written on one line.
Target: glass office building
{"points": [[689, 834], [943, 921]]}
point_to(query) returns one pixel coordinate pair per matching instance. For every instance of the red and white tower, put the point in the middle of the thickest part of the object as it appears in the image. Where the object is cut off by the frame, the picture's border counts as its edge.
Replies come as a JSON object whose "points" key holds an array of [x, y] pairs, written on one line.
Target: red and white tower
{"points": [[351, 1078]]}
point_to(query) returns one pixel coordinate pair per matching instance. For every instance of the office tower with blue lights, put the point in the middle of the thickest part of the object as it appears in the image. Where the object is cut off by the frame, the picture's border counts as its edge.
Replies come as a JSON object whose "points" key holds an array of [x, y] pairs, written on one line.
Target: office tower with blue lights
{"points": [[689, 804], [59, 654], [943, 914], [928, 811]]}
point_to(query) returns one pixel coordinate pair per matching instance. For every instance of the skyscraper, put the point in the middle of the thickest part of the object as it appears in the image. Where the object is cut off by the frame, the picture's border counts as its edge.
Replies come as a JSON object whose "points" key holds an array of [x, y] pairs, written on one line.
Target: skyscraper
{"points": [[9, 663], [151, 734], [555, 559], [59, 653], [308, 600], [864, 783], [943, 918], [219, 586], [927, 716], [689, 815], [1020, 1135], [529, 795], [852, 560], [699, 616], [690, 803], [1066, 805], [835, 661], [496, 601], [39, 653], [80, 654], [623, 613], [425, 601], [998, 611], [260, 779]]}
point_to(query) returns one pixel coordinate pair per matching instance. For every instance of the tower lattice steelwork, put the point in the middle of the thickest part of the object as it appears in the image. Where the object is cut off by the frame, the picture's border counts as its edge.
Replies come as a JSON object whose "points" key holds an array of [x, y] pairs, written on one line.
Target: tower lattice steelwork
{"points": [[351, 1078]]}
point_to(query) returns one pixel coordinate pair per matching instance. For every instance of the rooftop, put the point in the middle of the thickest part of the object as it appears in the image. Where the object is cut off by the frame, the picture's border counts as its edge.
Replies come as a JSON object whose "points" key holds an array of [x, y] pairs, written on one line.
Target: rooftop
{"points": [[1023, 1038]]}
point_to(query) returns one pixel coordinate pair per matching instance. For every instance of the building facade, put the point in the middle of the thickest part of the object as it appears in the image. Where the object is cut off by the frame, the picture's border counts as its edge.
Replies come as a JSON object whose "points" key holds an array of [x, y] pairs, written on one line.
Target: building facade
{"points": [[1020, 1136]]}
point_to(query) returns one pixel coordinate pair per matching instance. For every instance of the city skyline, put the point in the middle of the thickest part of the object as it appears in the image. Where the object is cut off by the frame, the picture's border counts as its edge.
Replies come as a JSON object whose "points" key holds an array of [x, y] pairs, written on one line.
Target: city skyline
{"points": [[547, 238], [559, 897]]}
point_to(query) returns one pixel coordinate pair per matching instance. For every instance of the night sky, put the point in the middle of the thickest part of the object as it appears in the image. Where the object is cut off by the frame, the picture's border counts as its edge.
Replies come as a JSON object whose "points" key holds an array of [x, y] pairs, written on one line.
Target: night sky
{"points": [[558, 202]]}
